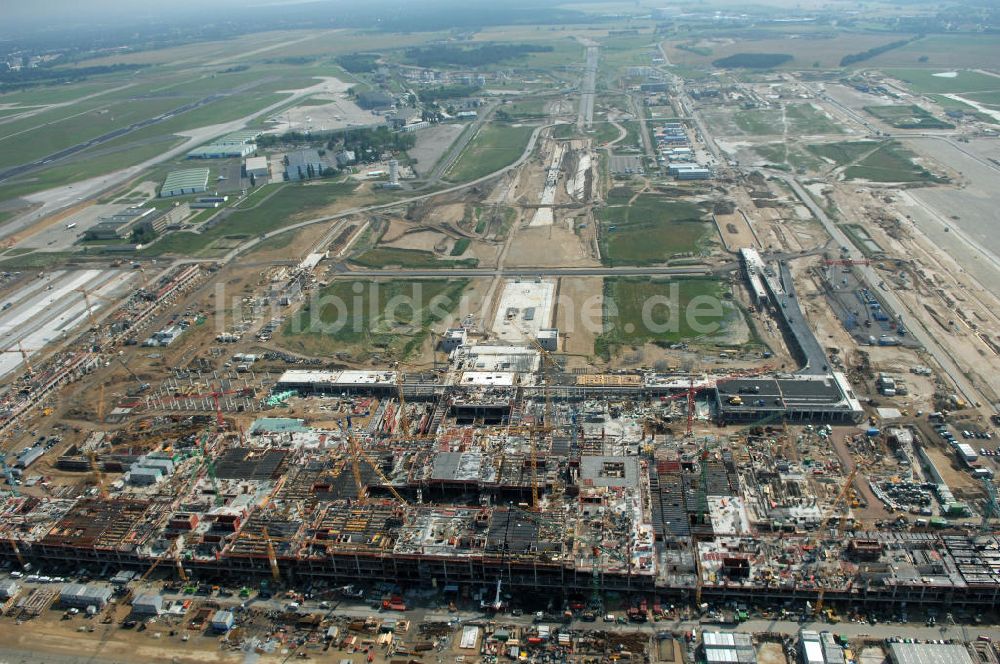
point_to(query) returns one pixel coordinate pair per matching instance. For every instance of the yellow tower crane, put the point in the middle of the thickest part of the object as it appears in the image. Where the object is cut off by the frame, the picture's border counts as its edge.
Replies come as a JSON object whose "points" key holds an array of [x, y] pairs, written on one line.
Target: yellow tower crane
{"points": [[841, 495]]}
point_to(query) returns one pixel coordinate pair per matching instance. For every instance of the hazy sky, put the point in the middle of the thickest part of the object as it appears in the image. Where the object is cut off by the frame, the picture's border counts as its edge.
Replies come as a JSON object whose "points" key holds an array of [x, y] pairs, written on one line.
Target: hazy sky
{"points": [[118, 11]]}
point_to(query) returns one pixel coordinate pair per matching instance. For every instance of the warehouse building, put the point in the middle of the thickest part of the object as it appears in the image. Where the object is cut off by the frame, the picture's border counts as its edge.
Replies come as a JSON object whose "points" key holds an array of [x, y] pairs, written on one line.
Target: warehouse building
{"points": [[303, 165], [183, 182], [147, 605], [223, 621], [929, 653], [80, 596], [257, 167], [123, 224], [819, 648], [222, 151], [728, 648], [29, 456]]}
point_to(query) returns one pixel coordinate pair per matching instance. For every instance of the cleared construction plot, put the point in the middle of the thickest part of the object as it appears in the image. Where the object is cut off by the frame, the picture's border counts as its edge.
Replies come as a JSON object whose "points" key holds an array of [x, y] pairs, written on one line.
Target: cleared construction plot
{"points": [[793, 119], [389, 316], [653, 229], [493, 147], [640, 311], [525, 308]]}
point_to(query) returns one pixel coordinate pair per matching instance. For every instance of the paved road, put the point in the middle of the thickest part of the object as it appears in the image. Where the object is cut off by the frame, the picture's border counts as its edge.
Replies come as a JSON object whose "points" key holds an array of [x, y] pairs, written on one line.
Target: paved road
{"points": [[914, 325], [585, 119], [342, 271]]}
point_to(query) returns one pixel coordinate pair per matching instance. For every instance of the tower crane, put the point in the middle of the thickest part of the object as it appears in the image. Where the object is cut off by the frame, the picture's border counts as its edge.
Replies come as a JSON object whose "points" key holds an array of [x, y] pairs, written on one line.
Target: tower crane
{"points": [[272, 557], [23, 352], [356, 455], [87, 293], [841, 495]]}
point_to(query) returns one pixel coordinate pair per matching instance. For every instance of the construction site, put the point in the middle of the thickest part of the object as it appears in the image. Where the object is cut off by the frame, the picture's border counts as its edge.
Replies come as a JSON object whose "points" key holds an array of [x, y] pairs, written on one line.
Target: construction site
{"points": [[389, 431]]}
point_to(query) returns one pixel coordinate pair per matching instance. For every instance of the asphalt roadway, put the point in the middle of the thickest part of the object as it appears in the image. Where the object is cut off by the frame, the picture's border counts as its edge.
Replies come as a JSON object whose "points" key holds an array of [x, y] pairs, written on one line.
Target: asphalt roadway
{"points": [[342, 271]]}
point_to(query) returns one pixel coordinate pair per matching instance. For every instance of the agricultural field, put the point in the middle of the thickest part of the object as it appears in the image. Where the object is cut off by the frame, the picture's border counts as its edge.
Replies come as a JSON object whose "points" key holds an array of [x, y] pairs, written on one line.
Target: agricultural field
{"points": [[943, 52], [493, 147], [639, 311], [389, 316], [809, 48], [652, 230], [908, 117], [890, 163]]}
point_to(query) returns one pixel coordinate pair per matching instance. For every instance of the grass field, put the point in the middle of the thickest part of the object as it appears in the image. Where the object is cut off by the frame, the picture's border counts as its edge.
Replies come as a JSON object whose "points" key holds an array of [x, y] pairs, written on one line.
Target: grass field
{"points": [[926, 80], [841, 154], [908, 117], [639, 311], [525, 109], [388, 316], [493, 147], [565, 131], [652, 230], [787, 155], [890, 163], [408, 258], [287, 204], [603, 132]]}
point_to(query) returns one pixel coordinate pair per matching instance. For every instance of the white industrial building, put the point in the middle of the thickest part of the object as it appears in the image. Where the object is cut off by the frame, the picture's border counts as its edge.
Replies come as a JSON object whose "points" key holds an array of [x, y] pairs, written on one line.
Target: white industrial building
{"points": [[728, 648], [929, 653], [453, 338], [819, 648], [147, 605], [80, 596], [257, 167]]}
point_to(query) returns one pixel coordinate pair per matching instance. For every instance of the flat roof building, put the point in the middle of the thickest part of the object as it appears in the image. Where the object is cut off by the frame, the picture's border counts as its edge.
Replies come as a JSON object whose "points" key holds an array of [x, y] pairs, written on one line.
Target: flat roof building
{"points": [[183, 182], [929, 653], [303, 165], [257, 167], [147, 605], [222, 151]]}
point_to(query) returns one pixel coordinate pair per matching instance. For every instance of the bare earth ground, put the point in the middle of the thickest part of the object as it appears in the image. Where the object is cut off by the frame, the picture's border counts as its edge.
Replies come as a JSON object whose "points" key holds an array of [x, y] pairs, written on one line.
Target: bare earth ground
{"points": [[432, 143], [549, 246], [578, 315]]}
